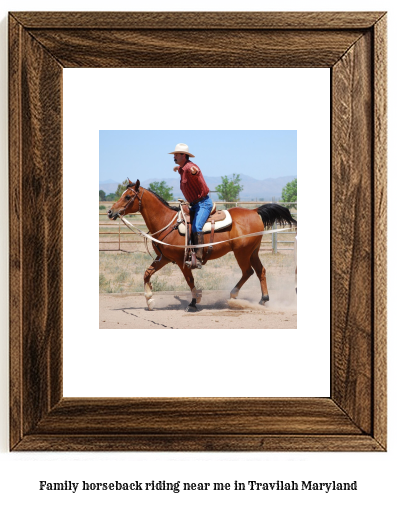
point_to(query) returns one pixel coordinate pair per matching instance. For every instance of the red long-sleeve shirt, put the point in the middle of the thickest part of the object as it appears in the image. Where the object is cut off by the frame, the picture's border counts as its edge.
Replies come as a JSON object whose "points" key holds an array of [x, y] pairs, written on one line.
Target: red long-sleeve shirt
{"points": [[193, 186]]}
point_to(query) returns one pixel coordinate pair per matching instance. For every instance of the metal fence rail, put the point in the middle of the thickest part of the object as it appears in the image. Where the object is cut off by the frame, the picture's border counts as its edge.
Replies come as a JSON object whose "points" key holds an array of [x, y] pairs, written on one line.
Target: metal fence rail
{"points": [[273, 243]]}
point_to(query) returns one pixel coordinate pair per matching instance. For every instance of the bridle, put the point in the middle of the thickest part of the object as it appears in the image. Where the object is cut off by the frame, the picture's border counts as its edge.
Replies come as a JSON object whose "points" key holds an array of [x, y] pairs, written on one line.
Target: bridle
{"points": [[131, 202]]}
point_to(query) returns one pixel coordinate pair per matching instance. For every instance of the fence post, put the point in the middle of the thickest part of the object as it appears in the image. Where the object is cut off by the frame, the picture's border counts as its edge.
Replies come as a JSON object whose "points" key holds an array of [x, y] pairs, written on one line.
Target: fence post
{"points": [[274, 235], [274, 239]]}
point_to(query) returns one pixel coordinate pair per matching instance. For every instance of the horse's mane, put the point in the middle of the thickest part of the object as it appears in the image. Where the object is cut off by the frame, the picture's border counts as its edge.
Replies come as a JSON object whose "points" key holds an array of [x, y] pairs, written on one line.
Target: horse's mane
{"points": [[175, 208]]}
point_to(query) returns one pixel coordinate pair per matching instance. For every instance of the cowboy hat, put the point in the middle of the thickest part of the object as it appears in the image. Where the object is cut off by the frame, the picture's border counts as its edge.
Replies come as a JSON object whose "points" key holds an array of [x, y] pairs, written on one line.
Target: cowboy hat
{"points": [[181, 148]]}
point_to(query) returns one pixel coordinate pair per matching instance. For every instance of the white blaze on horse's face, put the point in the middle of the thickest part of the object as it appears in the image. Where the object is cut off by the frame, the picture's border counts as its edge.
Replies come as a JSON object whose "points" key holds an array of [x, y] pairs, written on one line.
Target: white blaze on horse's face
{"points": [[120, 207], [126, 198]]}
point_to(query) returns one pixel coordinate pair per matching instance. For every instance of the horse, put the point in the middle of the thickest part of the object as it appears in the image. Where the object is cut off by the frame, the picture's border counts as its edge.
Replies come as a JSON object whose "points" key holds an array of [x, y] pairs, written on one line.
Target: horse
{"points": [[160, 219]]}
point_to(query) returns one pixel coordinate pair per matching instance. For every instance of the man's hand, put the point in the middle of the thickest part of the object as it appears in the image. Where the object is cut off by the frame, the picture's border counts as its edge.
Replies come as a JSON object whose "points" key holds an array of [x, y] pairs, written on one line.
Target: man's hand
{"points": [[176, 168], [193, 169]]}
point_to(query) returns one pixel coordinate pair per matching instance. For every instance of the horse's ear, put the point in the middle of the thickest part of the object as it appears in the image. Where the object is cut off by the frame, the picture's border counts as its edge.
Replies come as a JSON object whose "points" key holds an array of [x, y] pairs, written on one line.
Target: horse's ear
{"points": [[129, 181], [137, 185]]}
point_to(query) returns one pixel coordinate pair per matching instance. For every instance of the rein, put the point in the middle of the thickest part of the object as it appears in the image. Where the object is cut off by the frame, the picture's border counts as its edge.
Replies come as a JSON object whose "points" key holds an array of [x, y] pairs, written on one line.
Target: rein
{"points": [[132, 227], [136, 194], [130, 203], [204, 245], [152, 234], [164, 228]]}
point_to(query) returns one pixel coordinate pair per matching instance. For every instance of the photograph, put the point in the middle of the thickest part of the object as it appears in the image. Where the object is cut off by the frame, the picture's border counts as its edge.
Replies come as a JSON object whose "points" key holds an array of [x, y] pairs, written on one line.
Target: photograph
{"points": [[238, 194]]}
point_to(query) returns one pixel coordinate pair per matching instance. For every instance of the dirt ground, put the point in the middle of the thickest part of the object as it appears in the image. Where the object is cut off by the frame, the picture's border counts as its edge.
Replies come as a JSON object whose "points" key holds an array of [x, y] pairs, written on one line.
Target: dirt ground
{"points": [[216, 311]]}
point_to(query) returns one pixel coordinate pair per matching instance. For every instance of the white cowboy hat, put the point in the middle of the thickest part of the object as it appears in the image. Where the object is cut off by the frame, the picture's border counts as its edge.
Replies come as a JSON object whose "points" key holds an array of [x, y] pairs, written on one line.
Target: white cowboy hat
{"points": [[181, 148]]}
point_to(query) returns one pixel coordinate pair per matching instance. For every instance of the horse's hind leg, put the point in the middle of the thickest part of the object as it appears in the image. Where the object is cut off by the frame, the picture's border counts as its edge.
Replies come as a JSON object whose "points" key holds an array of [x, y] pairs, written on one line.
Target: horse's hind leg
{"points": [[157, 264], [261, 274], [245, 266]]}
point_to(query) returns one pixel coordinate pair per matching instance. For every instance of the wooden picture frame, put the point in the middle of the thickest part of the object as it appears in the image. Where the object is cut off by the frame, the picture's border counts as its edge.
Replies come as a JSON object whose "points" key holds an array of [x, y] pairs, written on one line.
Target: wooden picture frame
{"points": [[353, 46]]}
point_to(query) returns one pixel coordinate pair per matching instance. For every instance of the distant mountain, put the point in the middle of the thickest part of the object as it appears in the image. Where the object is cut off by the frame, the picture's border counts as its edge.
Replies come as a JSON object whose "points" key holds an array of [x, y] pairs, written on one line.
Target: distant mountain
{"points": [[256, 189], [108, 181], [108, 188], [253, 188]]}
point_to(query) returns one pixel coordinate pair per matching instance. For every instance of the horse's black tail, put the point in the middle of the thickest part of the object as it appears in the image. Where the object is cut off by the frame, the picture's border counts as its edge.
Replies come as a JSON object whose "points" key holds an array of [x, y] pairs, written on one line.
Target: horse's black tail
{"points": [[273, 212]]}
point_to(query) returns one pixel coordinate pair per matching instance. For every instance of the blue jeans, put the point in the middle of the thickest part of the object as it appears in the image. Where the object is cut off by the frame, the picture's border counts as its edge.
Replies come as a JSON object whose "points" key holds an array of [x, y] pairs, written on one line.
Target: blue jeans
{"points": [[201, 211]]}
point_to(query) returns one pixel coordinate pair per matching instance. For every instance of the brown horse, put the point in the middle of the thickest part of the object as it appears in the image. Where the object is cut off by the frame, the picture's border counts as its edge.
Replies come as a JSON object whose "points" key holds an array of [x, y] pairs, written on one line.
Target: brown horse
{"points": [[157, 214]]}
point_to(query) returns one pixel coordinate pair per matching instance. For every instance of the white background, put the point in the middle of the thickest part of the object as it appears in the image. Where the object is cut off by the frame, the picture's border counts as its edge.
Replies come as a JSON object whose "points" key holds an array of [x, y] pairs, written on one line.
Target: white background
{"points": [[222, 99], [20, 473]]}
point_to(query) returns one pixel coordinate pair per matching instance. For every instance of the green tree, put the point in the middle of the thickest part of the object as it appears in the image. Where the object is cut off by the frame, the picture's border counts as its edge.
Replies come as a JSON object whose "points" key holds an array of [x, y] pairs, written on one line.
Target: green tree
{"points": [[121, 188], [112, 197], [290, 193], [162, 189], [229, 190], [102, 195]]}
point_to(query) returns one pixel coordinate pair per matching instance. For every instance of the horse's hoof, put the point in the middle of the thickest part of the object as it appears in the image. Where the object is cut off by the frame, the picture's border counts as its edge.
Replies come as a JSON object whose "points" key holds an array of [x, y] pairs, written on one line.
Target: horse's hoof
{"points": [[150, 304], [264, 300], [192, 306], [234, 294]]}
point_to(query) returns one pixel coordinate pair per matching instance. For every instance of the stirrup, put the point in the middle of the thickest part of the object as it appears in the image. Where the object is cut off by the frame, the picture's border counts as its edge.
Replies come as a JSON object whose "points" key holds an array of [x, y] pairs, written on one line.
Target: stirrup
{"points": [[197, 266], [194, 264]]}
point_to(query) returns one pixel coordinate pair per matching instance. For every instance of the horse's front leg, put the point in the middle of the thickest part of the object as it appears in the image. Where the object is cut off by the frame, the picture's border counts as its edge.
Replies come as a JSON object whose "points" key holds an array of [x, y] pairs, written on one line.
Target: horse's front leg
{"points": [[157, 264], [196, 293]]}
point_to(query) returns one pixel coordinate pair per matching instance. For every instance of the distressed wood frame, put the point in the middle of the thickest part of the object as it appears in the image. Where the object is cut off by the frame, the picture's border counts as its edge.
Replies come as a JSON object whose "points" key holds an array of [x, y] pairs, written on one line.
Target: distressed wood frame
{"points": [[353, 46]]}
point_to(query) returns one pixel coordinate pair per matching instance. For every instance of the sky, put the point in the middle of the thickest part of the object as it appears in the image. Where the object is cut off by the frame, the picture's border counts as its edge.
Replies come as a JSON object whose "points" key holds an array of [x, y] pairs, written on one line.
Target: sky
{"points": [[143, 154]]}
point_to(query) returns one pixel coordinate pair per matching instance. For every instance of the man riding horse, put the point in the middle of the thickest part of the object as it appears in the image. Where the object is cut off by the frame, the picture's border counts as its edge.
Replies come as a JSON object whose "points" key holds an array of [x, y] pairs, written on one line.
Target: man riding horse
{"points": [[196, 192]]}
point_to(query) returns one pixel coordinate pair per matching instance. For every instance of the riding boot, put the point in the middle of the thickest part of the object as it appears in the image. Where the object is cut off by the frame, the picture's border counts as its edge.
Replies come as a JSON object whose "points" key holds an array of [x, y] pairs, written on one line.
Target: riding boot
{"points": [[199, 240]]}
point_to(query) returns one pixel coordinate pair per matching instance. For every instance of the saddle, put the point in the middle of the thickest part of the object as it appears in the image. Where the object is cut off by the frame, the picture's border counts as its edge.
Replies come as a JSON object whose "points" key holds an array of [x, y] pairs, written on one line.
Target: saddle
{"points": [[221, 219]]}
